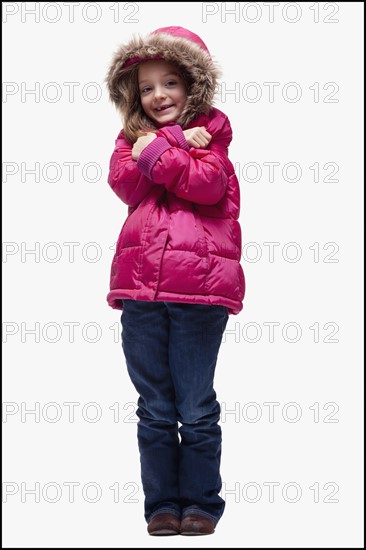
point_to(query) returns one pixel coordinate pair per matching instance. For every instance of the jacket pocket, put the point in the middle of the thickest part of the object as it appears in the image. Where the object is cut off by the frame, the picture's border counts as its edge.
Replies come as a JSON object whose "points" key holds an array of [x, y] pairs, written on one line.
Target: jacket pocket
{"points": [[121, 237], [129, 236], [202, 248]]}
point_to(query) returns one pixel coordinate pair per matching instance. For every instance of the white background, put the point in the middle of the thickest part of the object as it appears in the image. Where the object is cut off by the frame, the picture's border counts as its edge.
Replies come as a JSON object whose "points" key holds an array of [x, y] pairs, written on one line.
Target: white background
{"points": [[313, 363]]}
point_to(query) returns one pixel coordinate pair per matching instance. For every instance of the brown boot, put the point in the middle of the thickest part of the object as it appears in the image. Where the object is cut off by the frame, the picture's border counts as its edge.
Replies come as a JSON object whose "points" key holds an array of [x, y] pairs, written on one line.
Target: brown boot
{"points": [[164, 524], [196, 525]]}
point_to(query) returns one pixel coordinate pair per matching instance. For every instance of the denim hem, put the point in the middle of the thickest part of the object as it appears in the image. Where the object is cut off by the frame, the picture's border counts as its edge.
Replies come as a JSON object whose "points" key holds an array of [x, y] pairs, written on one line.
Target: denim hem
{"points": [[194, 511], [164, 511]]}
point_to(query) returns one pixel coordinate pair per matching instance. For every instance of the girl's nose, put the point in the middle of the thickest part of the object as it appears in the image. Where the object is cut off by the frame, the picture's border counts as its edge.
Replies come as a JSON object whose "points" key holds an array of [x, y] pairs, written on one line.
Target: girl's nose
{"points": [[160, 93]]}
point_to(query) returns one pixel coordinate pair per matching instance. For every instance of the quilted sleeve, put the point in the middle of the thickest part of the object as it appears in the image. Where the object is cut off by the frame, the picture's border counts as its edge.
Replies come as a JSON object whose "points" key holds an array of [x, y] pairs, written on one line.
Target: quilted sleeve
{"points": [[125, 178], [197, 175]]}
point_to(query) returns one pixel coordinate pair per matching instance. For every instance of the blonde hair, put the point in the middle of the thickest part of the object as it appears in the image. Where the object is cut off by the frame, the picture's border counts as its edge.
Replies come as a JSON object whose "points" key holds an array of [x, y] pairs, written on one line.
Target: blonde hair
{"points": [[135, 121]]}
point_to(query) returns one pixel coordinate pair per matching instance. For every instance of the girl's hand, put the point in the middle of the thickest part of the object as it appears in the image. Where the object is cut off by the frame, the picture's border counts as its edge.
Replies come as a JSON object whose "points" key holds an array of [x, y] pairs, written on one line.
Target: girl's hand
{"points": [[141, 143], [197, 137]]}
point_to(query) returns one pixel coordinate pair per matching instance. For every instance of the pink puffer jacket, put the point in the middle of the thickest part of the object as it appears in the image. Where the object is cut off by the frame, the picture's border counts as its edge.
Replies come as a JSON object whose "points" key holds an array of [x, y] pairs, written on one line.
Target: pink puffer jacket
{"points": [[181, 241]]}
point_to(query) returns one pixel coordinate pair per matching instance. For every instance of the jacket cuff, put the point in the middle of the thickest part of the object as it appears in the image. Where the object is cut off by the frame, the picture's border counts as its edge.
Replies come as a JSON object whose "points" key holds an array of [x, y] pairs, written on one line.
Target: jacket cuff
{"points": [[150, 155], [177, 132]]}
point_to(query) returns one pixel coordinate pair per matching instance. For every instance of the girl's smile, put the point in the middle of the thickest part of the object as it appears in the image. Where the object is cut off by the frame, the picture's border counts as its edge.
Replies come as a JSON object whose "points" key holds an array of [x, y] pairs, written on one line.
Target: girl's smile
{"points": [[162, 91]]}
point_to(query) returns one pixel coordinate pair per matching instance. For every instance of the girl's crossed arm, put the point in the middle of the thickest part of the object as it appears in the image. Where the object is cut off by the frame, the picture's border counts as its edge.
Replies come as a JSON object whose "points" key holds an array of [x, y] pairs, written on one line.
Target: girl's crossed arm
{"points": [[197, 175], [124, 177]]}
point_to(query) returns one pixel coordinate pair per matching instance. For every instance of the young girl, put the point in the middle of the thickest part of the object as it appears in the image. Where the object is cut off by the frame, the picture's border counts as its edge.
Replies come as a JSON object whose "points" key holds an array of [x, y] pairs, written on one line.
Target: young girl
{"points": [[176, 272]]}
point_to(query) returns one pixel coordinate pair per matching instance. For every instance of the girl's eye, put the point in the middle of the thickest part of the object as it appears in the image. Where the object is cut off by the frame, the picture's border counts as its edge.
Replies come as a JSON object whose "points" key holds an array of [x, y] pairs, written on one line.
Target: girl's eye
{"points": [[147, 89]]}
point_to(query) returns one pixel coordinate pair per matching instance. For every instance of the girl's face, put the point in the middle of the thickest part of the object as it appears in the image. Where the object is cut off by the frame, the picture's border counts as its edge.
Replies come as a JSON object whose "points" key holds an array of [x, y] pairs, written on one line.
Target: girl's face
{"points": [[162, 91]]}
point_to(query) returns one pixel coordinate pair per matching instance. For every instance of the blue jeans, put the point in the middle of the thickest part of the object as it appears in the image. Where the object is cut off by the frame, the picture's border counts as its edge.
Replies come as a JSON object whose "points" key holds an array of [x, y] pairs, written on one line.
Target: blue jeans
{"points": [[171, 352]]}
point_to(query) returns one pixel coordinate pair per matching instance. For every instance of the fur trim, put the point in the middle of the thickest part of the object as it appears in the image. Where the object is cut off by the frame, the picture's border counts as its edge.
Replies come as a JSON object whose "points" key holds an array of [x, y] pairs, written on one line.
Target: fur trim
{"points": [[180, 51]]}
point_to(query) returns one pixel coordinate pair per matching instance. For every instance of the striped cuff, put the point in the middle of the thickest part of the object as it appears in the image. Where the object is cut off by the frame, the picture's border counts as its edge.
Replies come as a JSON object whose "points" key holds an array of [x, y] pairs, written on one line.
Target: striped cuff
{"points": [[177, 132], [150, 155]]}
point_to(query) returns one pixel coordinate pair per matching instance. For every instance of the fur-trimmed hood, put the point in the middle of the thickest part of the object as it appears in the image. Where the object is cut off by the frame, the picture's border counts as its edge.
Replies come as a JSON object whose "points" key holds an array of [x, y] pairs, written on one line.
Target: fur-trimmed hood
{"points": [[175, 45]]}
